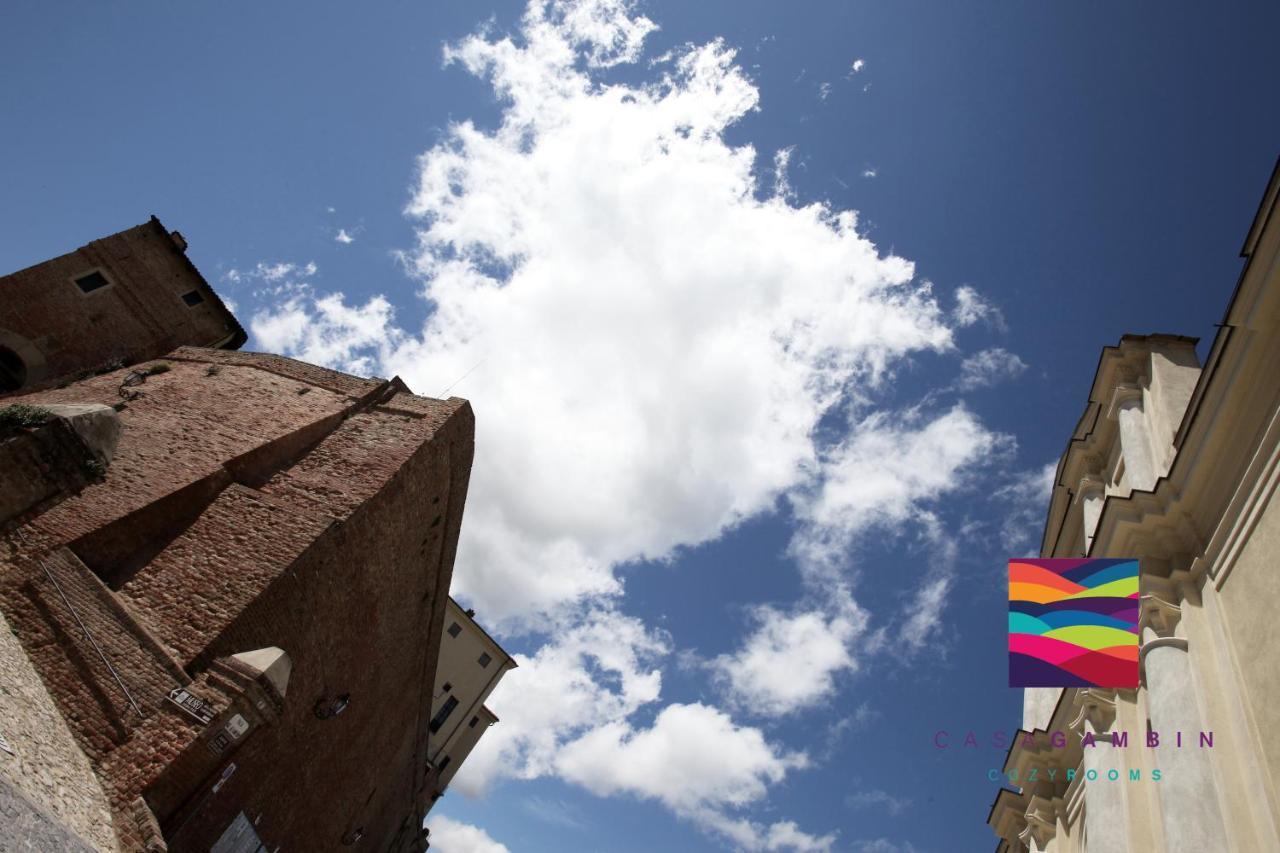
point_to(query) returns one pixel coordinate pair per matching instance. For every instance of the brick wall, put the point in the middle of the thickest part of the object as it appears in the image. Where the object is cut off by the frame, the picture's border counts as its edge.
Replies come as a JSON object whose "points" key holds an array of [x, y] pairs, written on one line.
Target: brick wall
{"points": [[253, 502]]}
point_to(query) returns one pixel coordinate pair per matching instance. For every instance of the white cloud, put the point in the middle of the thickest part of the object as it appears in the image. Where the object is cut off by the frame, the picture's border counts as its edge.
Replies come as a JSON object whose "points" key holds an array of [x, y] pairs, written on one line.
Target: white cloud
{"points": [[855, 721], [791, 660], [858, 65], [874, 798], [343, 237], [1026, 497], [781, 835], [883, 845], [657, 341], [553, 811], [880, 475], [325, 330], [782, 162], [650, 335], [566, 711], [699, 764], [453, 836], [280, 271], [669, 338], [596, 672], [273, 279], [925, 612], [989, 367], [692, 756], [824, 91], [869, 173], [972, 308]]}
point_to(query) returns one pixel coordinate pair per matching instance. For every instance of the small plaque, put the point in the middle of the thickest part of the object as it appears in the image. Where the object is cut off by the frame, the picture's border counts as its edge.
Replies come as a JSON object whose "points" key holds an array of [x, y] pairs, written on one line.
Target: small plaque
{"points": [[230, 732], [191, 704]]}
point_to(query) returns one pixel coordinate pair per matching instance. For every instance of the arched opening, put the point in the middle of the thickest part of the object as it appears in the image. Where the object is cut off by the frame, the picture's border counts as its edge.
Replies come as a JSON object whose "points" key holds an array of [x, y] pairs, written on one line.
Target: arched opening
{"points": [[13, 371]]}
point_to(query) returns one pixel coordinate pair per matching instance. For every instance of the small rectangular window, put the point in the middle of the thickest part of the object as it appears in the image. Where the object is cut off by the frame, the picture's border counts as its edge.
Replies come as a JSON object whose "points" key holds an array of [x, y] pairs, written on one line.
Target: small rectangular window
{"points": [[455, 629], [444, 762], [443, 714], [447, 687], [192, 298], [484, 659], [472, 724], [91, 282]]}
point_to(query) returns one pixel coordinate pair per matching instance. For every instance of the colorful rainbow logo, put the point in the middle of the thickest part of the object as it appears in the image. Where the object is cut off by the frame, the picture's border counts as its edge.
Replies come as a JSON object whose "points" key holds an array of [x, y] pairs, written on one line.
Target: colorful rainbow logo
{"points": [[1073, 623]]}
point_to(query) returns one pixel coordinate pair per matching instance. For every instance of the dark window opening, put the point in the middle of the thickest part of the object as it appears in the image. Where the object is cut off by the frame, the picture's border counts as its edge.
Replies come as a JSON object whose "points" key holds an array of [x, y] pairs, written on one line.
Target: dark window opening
{"points": [[485, 659], [443, 714], [91, 282], [455, 629], [472, 724], [444, 762], [192, 298], [447, 686], [13, 372]]}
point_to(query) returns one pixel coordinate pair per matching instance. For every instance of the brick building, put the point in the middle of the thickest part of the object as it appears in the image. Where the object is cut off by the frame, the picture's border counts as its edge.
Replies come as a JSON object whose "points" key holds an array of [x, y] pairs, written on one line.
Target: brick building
{"points": [[114, 302], [237, 616]]}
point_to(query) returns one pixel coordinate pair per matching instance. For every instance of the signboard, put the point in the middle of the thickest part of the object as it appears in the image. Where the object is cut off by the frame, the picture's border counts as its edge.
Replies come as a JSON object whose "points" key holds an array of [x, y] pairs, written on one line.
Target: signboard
{"points": [[193, 705]]}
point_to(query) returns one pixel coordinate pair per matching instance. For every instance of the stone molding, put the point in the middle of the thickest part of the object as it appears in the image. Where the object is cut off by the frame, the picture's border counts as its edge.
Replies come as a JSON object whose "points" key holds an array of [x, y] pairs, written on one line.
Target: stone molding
{"points": [[1122, 395], [1042, 822], [1161, 616], [1095, 706]]}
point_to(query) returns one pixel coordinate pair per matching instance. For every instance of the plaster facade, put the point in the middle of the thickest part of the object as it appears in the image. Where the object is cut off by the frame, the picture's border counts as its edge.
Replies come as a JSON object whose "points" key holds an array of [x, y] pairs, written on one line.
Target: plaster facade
{"points": [[471, 665], [40, 761], [1178, 466]]}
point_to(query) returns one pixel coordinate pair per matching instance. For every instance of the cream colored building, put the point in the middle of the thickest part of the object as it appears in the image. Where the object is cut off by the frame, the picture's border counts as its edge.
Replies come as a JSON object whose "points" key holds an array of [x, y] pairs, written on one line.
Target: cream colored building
{"points": [[1175, 464], [471, 665]]}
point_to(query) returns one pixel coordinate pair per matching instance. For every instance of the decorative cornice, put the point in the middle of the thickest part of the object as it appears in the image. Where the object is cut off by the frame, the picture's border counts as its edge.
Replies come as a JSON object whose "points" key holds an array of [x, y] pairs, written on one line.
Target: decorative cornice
{"points": [[1155, 524], [1160, 616], [1090, 486], [1122, 394], [1042, 822], [1097, 707]]}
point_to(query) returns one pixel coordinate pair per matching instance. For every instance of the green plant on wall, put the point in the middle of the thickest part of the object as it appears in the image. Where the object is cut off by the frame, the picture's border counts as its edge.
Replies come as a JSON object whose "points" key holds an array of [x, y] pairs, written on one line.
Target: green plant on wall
{"points": [[21, 416]]}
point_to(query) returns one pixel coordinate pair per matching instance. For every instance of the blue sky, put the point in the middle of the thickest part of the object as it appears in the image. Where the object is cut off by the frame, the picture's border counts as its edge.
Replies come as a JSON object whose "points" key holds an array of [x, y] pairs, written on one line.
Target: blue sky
{"points": [[745, 483]]}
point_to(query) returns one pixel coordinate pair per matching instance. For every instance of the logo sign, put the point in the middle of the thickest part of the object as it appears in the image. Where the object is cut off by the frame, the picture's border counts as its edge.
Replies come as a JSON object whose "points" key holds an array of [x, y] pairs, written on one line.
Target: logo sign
{"points": [[1073, 623], [193, 705]]}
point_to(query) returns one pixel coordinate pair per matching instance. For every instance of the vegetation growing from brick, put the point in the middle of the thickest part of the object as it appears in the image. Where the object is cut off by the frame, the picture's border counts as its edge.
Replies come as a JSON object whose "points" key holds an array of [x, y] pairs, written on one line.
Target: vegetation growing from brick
{"points": [[18, 417]]}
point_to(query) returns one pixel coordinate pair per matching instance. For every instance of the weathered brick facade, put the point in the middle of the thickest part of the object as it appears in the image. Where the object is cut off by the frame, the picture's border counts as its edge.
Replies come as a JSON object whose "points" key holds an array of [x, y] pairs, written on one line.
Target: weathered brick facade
{"points": [[253, 502], [119, 300]]}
